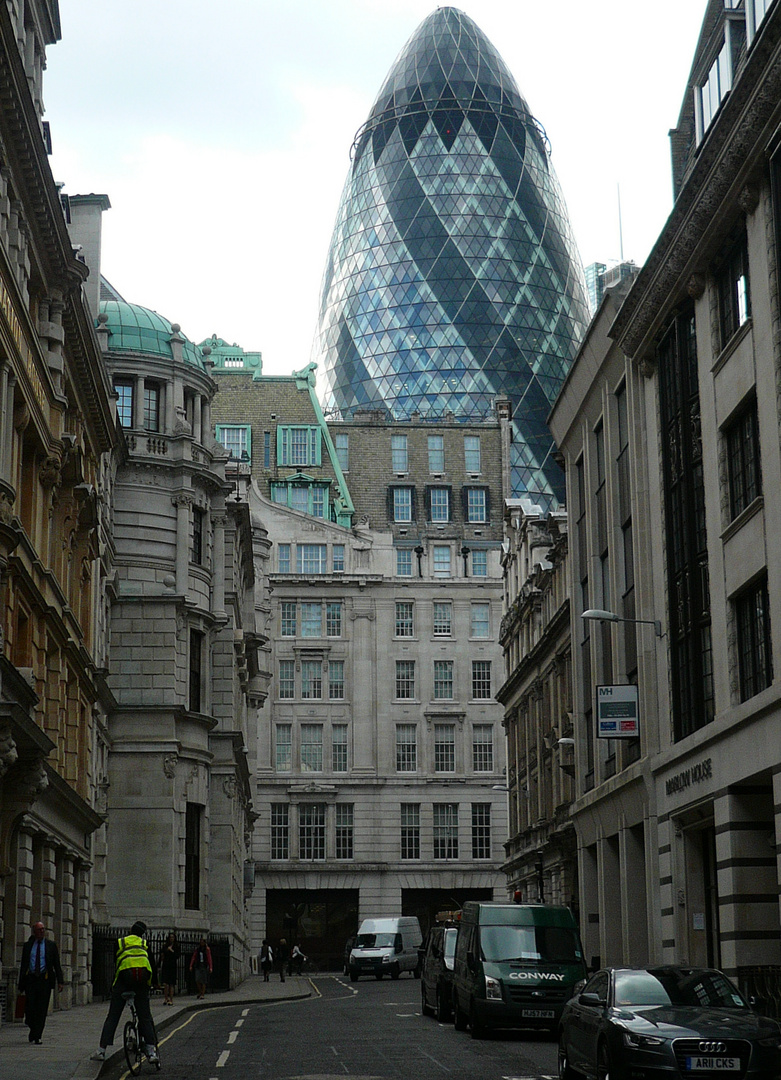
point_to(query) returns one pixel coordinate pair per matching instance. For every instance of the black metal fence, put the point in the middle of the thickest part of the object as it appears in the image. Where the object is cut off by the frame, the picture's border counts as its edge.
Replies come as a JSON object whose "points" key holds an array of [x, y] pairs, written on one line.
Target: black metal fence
{"points": [[764, 984], [104, 951]]}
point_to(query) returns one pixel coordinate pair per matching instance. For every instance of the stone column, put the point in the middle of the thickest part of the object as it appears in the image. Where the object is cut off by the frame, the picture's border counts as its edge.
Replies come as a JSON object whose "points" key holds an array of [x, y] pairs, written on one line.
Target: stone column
{"points": [[364, 675], [182, 503], [138, 403], [219, 522], [170, 414], [5, 420], [197, 399], [206, 419], [8, 430]]}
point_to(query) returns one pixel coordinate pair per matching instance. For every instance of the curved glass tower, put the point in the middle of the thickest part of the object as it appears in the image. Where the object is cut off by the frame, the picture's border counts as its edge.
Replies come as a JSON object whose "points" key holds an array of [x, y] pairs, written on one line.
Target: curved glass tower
{"points": [[453, 276]]}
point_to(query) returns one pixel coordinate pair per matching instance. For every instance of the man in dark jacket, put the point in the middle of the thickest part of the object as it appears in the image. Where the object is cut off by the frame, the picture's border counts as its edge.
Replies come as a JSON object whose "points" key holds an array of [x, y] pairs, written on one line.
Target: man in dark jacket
{"points": [[38, 971]]}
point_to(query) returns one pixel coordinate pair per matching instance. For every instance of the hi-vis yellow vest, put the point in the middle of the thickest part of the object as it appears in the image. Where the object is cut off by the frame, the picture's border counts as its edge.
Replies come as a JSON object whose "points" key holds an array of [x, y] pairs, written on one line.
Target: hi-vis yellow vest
{"points": [[132, 953]]}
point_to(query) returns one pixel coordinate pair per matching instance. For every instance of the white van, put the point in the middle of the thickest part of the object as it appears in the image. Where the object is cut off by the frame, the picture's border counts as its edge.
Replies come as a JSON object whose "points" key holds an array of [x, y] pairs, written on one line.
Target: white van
{"points": [[386, 947]]}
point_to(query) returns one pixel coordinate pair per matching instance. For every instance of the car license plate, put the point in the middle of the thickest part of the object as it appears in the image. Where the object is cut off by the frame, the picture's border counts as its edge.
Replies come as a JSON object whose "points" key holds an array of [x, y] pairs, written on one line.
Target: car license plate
{"points": [[713, 1064], [537, 1014]]}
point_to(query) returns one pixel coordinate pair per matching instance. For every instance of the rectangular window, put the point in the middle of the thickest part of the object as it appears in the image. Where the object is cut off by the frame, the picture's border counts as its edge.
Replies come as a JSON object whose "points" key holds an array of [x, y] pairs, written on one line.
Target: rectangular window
{"points": [[283, 558], [236, 440], [479, 564], [399, 456], [287, 611], [344, 830], [196, 670], [444, 748], [443, 618], [443, 680], [405, 679], [442, 555], [404, 562], [124, 390], [311, 832], [287, 679], [298, 498], [734, 296], [266, 449], [151, 407], [480, 620], [439, 504], [317, 494], [333, 619], [410, 830], [192, 856], [406, 748], [336, 680], [197, 536], [402, 505], [311, 748], [436, 453], [280, 831], [311, 679], [311, 619], [404, 626], [745, 482], [342, 447], [483, 748], [752, 613], [298, 445], [476, 505], [481, 830], [472, 453], [481, 678], [311, 559], [445, 830], [283, 749], [339, 757], [337, 552]]}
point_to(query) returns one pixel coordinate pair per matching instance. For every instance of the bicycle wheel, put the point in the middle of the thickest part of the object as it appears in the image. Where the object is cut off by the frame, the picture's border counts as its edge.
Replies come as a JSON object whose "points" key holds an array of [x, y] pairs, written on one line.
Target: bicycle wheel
{"points": [[133, 1052]]}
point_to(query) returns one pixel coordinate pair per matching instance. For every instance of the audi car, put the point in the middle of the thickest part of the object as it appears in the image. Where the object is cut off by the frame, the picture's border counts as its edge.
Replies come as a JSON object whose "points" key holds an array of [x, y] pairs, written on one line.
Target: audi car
{"points": [[671, 1022]]}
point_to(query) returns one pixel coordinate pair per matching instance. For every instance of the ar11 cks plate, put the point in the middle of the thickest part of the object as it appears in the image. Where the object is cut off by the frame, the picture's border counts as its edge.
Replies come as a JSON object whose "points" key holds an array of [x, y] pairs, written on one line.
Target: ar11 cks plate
{"points": [[537, 1014], [712, 1064]]}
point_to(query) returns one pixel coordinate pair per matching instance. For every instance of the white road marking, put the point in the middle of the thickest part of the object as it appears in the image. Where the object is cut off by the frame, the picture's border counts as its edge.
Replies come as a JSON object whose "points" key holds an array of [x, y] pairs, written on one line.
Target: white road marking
{"points": [[239, 1023], [232, 1037], [221, 1060], [245, 1012]]}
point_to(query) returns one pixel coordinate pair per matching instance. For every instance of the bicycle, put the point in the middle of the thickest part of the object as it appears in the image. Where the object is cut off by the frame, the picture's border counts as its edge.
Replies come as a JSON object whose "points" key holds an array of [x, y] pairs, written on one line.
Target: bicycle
{"points": [[134, 1046]]}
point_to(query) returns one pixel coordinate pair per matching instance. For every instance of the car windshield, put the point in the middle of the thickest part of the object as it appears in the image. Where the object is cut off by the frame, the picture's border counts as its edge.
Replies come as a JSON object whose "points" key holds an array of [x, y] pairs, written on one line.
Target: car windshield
{"points": [[667, 986], [530, 944], [375, 941]]}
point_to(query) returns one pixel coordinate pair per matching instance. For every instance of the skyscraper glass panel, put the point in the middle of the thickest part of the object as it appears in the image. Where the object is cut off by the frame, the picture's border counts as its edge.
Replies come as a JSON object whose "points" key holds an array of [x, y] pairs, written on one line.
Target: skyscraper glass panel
{"points": [[453, 276]]}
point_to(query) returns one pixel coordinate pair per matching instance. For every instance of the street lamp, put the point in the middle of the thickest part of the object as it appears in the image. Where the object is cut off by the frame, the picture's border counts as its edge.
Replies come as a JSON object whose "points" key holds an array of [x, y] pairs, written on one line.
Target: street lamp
{"points": [[598, 615]]}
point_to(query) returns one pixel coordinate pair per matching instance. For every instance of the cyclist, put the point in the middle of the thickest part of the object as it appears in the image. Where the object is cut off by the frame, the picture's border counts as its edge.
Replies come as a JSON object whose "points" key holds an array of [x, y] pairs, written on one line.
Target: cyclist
{"points": [[133, 972]]}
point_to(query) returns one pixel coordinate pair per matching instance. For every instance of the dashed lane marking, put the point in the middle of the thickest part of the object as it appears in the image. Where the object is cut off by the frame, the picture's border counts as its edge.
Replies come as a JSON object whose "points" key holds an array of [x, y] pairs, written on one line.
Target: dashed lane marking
{"points": [[222, 1059]]}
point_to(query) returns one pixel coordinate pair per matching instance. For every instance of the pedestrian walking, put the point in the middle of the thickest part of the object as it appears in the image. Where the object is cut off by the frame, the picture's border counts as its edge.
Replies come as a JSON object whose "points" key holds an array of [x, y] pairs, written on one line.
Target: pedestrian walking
{"points": [[169, 956], [38, 971], [201, 966], [283, 955], [297, 960], [265, 959]]}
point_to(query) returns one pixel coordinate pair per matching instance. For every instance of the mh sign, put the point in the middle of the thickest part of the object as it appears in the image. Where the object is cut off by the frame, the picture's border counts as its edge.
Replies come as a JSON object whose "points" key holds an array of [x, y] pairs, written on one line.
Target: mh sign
{"points": [[617, 712]]}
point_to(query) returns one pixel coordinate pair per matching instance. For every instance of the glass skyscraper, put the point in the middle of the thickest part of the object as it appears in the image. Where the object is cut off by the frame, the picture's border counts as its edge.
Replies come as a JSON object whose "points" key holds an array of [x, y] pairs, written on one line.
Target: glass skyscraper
{"points": [[453, 276]]}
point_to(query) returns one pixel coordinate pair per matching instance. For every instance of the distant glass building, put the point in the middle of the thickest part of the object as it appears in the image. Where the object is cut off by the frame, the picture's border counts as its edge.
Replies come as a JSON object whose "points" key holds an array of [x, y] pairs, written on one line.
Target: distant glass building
{"points": [[453, 276]]}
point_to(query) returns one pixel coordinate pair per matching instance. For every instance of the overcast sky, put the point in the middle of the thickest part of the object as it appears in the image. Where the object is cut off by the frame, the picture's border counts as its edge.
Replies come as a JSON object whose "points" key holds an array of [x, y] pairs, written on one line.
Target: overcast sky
{"points": [[221, 134]]}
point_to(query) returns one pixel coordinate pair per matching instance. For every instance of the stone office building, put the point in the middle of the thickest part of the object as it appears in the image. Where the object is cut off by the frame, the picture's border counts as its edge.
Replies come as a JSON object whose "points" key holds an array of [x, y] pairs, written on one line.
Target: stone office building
{"points": [[695, 351], [379, 770]]}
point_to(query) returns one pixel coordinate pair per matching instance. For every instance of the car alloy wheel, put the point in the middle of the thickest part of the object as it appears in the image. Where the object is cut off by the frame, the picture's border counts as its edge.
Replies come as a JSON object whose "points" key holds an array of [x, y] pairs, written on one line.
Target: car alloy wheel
{"points": [[566, 1072], [603, 1063]]}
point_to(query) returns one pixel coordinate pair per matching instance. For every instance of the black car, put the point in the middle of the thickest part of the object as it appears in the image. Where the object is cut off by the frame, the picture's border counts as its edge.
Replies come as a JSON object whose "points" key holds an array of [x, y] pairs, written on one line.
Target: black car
{"points": [[436, 972], [665, 1022]]}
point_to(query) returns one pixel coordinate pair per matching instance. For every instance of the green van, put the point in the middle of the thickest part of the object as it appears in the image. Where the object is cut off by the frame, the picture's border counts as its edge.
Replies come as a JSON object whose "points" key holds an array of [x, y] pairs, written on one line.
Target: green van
{"points": [[516, 965]]}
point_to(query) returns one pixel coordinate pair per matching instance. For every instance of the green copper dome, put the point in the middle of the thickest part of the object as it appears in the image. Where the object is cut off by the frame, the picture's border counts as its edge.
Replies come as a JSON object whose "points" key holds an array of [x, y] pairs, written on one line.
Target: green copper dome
{"points": [[133, 328]]}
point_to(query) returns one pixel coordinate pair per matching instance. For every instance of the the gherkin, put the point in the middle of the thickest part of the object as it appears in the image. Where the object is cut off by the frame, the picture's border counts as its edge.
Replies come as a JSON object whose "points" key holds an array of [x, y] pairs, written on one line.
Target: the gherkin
{"points": [[453, 276]]}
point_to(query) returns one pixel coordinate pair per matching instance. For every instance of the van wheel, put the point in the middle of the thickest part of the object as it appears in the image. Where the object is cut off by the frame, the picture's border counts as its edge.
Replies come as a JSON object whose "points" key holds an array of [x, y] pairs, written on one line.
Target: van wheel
{"points": [[443, 1008], [461, 1019], [378, 977], [425, 1008], [353, 975], [416, 972], [475, 1026], [395, 972]]}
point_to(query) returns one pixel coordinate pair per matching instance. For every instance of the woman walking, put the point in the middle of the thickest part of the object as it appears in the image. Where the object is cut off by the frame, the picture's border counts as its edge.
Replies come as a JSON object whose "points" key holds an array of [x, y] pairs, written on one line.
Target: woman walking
{"points": [[169, 954], [201, 966]]}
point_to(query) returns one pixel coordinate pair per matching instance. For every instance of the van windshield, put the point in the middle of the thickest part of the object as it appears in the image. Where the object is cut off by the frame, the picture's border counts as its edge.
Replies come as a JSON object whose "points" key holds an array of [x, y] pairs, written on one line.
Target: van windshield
{"points": [[377, 941], [530, 944]]}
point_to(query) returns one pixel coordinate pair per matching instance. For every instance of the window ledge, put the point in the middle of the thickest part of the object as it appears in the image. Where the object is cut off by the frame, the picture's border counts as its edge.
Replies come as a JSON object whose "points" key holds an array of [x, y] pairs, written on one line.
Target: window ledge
{"points": [[732, 345], [754, 507]]}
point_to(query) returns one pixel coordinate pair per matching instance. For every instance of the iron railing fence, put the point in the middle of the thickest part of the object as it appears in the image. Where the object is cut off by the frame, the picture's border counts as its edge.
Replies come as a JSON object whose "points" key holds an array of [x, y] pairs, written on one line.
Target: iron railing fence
{"points": [[104, 951], [764, 984]]}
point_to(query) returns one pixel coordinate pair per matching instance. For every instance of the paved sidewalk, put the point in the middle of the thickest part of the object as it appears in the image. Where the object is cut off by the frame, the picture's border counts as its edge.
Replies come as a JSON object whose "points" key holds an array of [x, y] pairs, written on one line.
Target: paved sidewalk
{"points": [[72, 1035]]}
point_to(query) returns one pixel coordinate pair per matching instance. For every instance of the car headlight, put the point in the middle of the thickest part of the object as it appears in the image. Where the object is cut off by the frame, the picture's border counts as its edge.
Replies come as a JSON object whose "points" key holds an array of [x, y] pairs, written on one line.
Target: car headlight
{"points": [[493, 989], [641, 1042], [774, 1042]]}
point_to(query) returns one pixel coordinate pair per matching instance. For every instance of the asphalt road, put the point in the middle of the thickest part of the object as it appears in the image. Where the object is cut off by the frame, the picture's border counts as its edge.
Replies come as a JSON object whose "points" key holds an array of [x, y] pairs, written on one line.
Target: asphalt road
{"points": [[367, 1030]]}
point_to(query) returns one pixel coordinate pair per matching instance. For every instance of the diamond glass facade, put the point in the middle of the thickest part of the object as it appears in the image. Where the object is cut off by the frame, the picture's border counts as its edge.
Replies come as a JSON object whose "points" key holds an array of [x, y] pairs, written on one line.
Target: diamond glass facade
{"points": [[453, 276]]}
